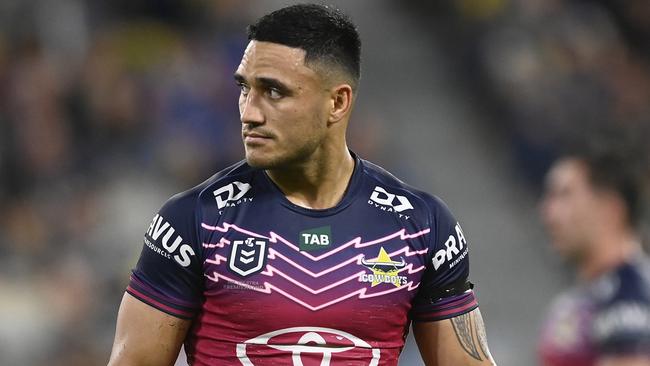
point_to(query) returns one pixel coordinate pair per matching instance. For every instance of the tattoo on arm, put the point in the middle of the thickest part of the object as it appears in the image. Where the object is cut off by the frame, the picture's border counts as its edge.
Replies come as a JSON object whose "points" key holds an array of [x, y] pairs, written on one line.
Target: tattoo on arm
{"points": [[470, 332], [482, 336], [464, 332]]}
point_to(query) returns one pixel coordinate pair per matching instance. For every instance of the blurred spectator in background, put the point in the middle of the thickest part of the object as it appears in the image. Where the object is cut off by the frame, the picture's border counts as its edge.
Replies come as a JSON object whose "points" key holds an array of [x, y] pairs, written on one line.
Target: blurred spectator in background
{"points": [[592, 210], [545, 71]]}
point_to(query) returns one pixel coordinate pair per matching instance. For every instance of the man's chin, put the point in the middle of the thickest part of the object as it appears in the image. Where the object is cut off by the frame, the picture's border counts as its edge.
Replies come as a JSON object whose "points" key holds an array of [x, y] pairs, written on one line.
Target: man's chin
{"points": [[255, 163], [275, 160], [260, 162]]}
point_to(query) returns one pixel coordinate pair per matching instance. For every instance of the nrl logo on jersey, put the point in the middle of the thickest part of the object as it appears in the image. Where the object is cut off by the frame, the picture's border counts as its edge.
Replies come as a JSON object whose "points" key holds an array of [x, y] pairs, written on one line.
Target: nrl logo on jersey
{"points": [[247, 256], [232, 194], [390, 202]]}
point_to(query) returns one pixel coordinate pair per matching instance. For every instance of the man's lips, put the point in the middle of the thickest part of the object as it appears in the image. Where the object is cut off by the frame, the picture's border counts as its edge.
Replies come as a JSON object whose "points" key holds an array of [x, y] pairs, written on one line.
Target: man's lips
{"points": [[256, 137]]}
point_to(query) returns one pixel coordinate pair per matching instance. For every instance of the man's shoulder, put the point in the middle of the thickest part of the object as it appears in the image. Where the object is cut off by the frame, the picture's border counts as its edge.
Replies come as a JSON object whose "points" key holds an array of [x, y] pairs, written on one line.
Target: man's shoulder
{"points": [[629, 281], [622, 305], [637, 275], [228, 180], [238, 171], [388, 184]]}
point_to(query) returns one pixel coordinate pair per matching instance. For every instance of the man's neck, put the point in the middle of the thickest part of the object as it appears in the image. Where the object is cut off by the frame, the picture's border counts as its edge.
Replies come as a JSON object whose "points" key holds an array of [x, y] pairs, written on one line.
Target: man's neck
{"points": [[610, 252], [318, 183]]}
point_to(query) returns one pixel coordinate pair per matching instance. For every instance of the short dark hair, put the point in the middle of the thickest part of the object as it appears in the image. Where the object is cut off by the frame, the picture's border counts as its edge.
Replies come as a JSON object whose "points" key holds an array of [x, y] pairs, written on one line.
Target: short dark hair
{"points": [[324, 32], [617, 160]]}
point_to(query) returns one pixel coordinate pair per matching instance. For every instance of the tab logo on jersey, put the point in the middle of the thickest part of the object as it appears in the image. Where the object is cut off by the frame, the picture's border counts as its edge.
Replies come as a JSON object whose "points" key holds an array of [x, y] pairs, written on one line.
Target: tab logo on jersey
{"points": [[384, 270], [247, 256], [455, 248], [158, 228], [232, 194], [381, 199], [314, 239], [292, 343]]}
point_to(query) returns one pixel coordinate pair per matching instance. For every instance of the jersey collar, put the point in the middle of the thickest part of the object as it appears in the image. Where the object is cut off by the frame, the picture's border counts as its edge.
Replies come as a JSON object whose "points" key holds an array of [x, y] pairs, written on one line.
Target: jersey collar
{"points": [[348, 196]]}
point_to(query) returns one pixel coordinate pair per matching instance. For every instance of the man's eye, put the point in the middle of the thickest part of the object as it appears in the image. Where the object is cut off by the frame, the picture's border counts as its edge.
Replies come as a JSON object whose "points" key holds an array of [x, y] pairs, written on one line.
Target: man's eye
{"points": [[244, 88], [275, 93]]}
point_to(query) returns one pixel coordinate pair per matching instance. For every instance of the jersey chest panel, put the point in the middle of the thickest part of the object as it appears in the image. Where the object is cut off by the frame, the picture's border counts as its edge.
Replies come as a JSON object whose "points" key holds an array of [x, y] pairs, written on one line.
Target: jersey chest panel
{"points": [[268, 268]]}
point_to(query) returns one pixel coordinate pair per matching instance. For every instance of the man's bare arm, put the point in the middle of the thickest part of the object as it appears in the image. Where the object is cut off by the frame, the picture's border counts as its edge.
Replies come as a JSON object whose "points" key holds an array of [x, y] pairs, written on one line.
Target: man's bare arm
{"points": [[459, 341], [146, 336]]}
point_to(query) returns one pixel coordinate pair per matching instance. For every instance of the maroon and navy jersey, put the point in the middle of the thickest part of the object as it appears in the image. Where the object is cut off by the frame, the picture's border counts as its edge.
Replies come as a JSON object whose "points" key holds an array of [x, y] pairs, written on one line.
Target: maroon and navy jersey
{"points": [[267, 282], [609, 316]]}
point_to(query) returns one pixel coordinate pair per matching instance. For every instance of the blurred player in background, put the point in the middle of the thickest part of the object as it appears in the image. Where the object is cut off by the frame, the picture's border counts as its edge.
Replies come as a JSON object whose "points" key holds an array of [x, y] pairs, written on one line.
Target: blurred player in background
{"points": [[304, 253], [592, 209]]}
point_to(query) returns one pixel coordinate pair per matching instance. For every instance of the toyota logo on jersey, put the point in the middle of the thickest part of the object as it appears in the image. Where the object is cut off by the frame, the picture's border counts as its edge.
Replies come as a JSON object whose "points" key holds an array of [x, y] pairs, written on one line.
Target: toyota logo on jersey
{"points": [[307, 342]]}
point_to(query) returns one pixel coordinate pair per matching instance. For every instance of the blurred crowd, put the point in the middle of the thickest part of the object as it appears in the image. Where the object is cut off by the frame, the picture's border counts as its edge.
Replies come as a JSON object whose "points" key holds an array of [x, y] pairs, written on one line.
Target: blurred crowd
{"points": [[106, 109], [100, 105], [548, 72]]}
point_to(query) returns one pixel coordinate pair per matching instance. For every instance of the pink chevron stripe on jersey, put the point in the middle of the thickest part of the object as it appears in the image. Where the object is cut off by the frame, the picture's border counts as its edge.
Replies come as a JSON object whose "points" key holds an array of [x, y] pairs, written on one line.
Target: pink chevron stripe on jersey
{"points": [[223, 242], [356, 242], [356, 260], [218, 259], [270, 288], [272, 270]]}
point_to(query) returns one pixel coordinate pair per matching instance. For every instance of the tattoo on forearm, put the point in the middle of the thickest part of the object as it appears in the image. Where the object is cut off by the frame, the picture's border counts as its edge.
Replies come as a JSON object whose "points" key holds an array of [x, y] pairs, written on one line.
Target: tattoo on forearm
{"points": [[464, 329], [482, 335], [470, 331]]}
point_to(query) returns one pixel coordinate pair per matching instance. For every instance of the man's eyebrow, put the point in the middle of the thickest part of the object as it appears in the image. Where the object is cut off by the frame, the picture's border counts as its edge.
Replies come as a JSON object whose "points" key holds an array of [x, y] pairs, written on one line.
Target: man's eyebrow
{"points": [[266, 83], [269, 83], [239, 78]]}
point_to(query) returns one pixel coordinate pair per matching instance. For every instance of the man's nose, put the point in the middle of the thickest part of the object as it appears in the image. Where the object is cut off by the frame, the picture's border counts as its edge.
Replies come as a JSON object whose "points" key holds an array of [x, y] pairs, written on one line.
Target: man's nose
{"points": [[249, 109]]}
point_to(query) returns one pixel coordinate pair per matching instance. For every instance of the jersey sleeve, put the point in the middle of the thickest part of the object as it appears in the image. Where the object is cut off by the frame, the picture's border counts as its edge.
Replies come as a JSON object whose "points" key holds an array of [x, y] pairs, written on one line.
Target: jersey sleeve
{"points": [[168, 274], [444, 291], [622, 323]]}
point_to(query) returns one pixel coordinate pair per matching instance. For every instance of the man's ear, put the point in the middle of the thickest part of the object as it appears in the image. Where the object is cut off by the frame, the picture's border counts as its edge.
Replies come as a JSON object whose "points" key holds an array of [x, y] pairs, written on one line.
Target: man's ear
{"points": [[340, 102]]}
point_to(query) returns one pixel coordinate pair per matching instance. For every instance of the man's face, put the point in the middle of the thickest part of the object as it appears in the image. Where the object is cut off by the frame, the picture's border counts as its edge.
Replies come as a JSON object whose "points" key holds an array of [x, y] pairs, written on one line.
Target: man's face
{"points": [[570, 208], [283, 105]]}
